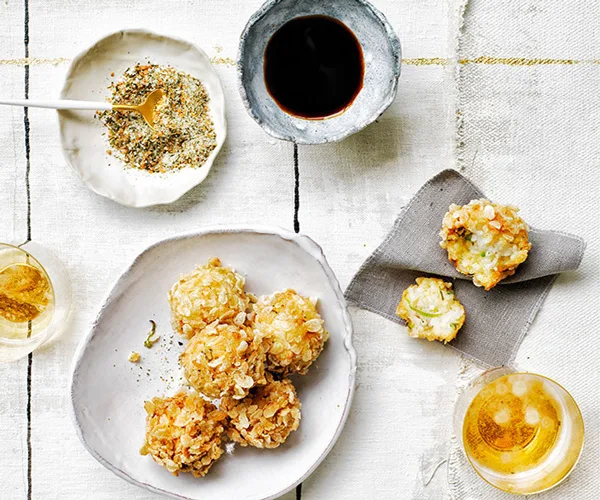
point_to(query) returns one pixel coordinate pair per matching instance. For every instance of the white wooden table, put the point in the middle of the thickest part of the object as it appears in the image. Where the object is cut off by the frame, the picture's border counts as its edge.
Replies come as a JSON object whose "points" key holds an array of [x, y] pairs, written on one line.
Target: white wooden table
{"points": [[344, 195]]}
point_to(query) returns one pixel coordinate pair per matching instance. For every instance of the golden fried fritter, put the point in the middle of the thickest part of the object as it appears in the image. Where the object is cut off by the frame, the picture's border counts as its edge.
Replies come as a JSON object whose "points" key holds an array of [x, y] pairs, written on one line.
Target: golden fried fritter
{"points": [[224, 360], [485, 240], [431, 310], [293, 331], [183, 433], [209, 293], [266, 417]]}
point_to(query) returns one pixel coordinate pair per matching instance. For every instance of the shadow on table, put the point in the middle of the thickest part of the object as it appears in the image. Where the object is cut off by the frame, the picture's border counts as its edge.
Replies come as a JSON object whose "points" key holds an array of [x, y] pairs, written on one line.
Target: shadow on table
{"points": [[375, 147], [197, 194]]}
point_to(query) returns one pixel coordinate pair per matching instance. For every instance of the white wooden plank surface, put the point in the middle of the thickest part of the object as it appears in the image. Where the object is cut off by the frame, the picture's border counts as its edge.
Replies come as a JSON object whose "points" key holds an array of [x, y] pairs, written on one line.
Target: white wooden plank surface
{"points": [[13, 229], [349, 195], [251, 181], [351, 192], [531, 137]]}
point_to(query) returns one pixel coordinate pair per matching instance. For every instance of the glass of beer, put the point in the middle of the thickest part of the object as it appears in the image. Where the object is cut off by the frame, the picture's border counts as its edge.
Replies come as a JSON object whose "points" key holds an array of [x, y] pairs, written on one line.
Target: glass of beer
{"points": [[522, 433], [35, 298]]}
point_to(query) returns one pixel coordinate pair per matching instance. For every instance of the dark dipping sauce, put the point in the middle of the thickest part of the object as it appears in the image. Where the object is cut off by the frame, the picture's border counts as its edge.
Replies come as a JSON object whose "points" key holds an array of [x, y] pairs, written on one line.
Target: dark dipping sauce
{"points": [[314, 67]]}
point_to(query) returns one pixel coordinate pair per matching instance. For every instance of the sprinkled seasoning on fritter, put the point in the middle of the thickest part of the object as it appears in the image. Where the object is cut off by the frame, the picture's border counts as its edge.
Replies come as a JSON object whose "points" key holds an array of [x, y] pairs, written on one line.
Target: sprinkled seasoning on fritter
{"points": [[485, 240], [431, 310], [183, 134]]}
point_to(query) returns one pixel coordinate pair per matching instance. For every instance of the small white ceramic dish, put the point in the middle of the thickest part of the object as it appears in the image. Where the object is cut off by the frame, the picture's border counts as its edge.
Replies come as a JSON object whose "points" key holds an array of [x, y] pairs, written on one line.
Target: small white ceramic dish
{"points": [[108, 391], [84, 146]]}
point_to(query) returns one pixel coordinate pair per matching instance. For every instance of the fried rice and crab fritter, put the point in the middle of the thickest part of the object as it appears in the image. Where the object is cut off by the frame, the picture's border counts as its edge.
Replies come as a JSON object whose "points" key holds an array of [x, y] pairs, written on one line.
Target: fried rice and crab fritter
{"points": [[240, 350], [485, 240], [431, 310], [209, 293], [184, 433], [224, 360], [266, 417]]}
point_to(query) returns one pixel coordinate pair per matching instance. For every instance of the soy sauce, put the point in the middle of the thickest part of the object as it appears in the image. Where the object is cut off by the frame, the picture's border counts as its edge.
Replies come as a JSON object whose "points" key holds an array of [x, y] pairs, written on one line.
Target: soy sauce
{"points": [[314, 67]]}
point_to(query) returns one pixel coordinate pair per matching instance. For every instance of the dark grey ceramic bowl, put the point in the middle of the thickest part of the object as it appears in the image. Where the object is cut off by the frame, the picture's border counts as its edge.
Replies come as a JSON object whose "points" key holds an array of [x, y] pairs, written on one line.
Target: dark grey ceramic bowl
{"points": [[382, 59]]}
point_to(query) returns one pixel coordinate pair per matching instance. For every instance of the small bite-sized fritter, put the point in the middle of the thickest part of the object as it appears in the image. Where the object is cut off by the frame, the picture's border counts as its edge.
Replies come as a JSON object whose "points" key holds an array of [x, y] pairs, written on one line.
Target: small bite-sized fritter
{"points": [[485, 240], [293, 331], [224, 360], [183, 433], [208, 293], [431, 310], [266, 417]]}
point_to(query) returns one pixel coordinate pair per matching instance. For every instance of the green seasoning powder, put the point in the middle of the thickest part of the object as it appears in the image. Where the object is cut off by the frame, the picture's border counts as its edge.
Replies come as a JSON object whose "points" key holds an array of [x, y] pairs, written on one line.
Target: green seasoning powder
{"points": [[183, 135]]}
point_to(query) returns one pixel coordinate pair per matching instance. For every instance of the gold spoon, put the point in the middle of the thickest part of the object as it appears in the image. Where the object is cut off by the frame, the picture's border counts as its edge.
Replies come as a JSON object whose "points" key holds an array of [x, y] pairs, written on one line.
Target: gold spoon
{"points": [[146, 109]]}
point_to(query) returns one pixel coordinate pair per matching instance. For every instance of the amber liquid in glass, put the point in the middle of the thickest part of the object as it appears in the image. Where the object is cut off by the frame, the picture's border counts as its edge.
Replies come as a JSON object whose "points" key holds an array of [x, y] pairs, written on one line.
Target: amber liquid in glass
{"points": [[512, 424], [26, 295], [523, 432]]}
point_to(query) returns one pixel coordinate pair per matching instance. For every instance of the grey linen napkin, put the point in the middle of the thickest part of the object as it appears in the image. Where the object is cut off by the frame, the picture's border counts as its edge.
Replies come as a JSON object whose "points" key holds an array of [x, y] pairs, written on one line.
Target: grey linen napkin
{"points": [[496, 320]]}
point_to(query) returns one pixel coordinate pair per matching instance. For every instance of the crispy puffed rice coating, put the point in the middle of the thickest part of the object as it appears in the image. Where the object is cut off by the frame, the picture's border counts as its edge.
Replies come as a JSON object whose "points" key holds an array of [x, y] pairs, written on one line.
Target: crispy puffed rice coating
{"points": [[485, 240], [209, 293], [183, 433], [134, 357], [224, 360], [293, 331], [431, 310], [266, 417]]}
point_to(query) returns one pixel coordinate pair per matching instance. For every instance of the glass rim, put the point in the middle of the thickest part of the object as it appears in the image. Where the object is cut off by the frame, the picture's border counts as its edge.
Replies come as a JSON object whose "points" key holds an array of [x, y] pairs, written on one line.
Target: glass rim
{"points": [[47, 332], [517, 371]]}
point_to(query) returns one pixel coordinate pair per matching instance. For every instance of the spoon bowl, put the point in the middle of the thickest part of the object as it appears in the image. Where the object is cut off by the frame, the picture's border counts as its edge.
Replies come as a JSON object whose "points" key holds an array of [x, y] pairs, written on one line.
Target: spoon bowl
{"points": [[147, 109]]}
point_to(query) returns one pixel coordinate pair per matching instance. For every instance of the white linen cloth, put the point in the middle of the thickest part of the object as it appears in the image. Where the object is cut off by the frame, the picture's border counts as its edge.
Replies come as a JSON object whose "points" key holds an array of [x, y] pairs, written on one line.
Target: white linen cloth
{"points": [[529, 130], [350, 194]]}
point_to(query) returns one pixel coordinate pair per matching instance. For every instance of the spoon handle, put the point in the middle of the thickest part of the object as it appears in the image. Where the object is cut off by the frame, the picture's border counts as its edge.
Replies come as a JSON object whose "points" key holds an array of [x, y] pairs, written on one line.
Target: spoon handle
{"points": [[57, 104]]}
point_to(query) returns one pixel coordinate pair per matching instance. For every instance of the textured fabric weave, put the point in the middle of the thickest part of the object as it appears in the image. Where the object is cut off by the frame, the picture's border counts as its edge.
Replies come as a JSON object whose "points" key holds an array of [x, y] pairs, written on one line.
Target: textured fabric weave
{"points": [[528, 132], [497, 319]]}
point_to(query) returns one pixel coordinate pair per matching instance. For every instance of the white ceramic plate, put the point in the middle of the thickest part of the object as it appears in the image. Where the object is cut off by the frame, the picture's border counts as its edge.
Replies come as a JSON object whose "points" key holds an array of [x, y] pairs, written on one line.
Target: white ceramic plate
{"points": [[108, 391], [84, 146]]}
